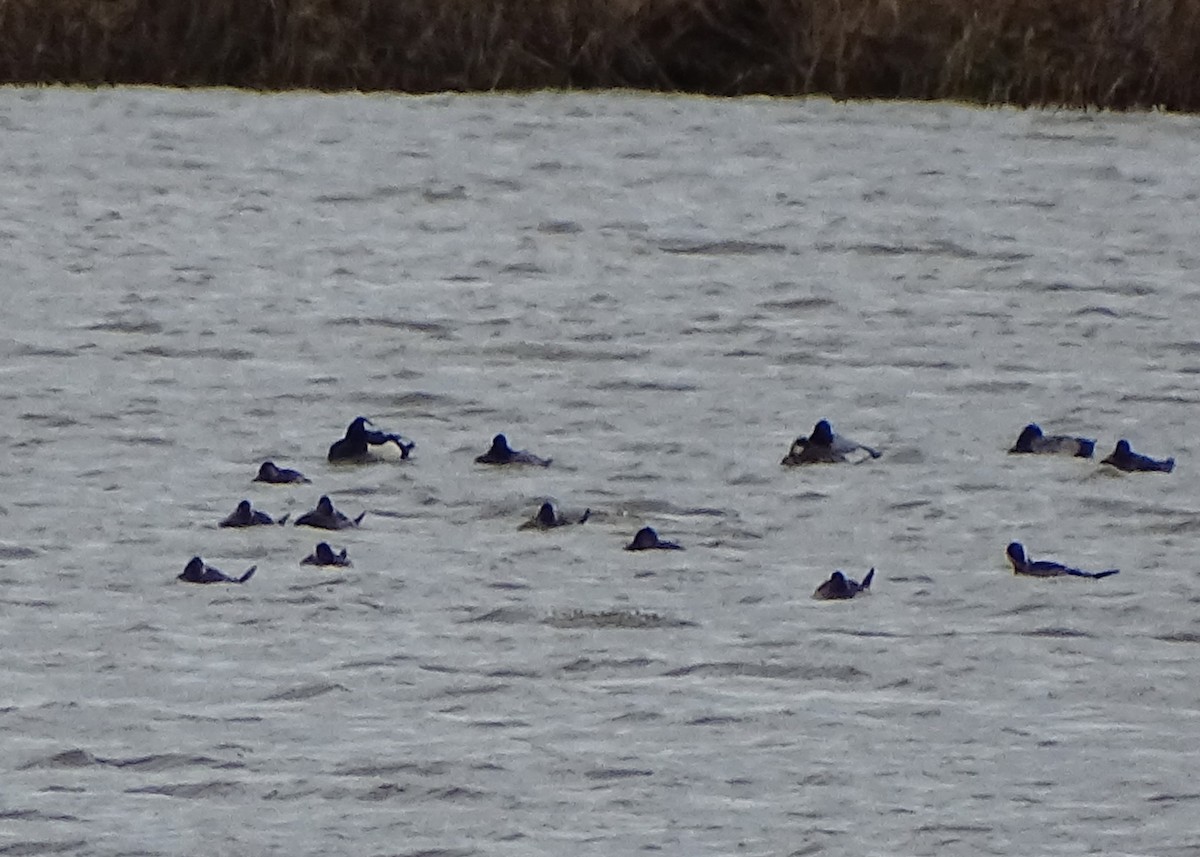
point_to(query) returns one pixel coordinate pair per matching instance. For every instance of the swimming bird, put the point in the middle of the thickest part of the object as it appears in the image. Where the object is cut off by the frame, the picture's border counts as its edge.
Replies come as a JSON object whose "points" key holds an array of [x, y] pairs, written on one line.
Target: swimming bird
{"points": [[502, 453], [839, 587], [325, 517], [324, 555], [825, 447], [354, 448], [246, 516], [1045, 568], [547, 518], [268, 472], [1033, 441], [647, 539], [197, 572], [1124, 458]]}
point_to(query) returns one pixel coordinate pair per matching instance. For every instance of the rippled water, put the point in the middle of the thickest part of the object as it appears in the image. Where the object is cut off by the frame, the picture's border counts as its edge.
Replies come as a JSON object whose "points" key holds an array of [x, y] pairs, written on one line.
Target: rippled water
{"points": [[660, 294]]}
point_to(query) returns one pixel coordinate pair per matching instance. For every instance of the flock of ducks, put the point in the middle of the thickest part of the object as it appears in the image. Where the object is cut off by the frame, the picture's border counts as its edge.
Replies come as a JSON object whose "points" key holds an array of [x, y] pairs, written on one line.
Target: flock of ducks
{"points": [[1033, 440], [353, 448], [821, 446]]}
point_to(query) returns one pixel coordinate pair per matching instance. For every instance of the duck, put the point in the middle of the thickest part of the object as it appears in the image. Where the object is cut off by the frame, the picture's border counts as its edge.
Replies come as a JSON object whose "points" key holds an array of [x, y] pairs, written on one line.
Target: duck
{"points": [[355, 447], [647, 539], [839, 587], [1033, 441], [547, 518], [268, 472], [197, 572], [247, 516], [1021, 564], [325, 517], [501, 453], [822, 446], [1124, 458], [323, 555]]}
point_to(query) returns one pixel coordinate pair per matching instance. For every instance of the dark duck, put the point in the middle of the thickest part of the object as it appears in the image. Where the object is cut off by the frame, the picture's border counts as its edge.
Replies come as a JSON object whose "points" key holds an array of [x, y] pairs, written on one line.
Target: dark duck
{"points": [[1034, 442], [825, 447], [839, 587], [647, 539], [1021, 564], [1124, 458], [197, 572], [547, 518], [325, 517], [502, 453], [269, 473], [246, 515], [355, 447], [323, 555]]}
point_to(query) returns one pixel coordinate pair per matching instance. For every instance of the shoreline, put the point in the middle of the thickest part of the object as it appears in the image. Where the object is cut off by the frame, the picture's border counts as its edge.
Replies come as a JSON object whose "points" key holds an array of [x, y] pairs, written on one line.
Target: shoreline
{"points": [[1103, 54]]}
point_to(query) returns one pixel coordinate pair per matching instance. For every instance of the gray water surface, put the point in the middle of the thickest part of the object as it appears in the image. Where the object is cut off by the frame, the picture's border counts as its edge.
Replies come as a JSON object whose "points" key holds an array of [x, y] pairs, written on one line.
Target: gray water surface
{"points": [[660, 294]]}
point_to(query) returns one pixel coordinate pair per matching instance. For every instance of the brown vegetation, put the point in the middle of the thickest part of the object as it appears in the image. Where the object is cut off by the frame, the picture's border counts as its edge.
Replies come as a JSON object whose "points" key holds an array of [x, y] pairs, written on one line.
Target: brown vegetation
{"points": [[1107, 53]]}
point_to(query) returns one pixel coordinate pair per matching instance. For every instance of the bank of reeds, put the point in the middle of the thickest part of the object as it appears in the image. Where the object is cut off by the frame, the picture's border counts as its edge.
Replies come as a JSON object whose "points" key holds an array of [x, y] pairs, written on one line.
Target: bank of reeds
{"points": [[1105, 53]]}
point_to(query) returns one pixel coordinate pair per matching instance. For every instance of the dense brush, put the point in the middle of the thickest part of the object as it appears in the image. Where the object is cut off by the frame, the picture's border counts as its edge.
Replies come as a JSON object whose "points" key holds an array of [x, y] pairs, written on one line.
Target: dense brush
{"points": [[1105, 53]]}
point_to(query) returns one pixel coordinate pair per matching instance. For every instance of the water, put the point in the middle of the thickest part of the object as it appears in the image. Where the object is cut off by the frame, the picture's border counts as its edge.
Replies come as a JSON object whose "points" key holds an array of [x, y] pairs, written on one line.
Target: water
{"points": [[660, 294]]}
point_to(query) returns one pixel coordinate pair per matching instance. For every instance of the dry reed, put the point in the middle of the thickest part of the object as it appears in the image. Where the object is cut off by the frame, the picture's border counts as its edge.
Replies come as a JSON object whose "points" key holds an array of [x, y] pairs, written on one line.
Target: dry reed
{"points": [[1104, 53]]}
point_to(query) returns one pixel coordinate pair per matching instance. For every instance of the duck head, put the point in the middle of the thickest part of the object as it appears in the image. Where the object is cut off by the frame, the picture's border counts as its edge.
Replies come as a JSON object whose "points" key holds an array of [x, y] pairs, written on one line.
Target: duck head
{"points": [[822, 434], [358, 428], [1028, 435]]}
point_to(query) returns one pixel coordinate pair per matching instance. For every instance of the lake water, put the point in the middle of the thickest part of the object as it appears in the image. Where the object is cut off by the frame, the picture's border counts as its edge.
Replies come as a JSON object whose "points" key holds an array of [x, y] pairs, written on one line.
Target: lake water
{"points": [[659, 293]]}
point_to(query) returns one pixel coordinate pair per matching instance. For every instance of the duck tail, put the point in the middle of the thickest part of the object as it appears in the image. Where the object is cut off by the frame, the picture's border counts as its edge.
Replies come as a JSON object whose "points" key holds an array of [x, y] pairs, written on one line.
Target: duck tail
{"points": [[249, 574], [1109, 573], [587, 513], [358, 520], [283, 521], [866, 584]]}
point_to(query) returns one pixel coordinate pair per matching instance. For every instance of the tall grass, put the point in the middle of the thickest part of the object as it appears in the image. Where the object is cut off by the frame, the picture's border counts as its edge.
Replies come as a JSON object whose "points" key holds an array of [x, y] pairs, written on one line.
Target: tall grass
{"points": [[1105, 53]]}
